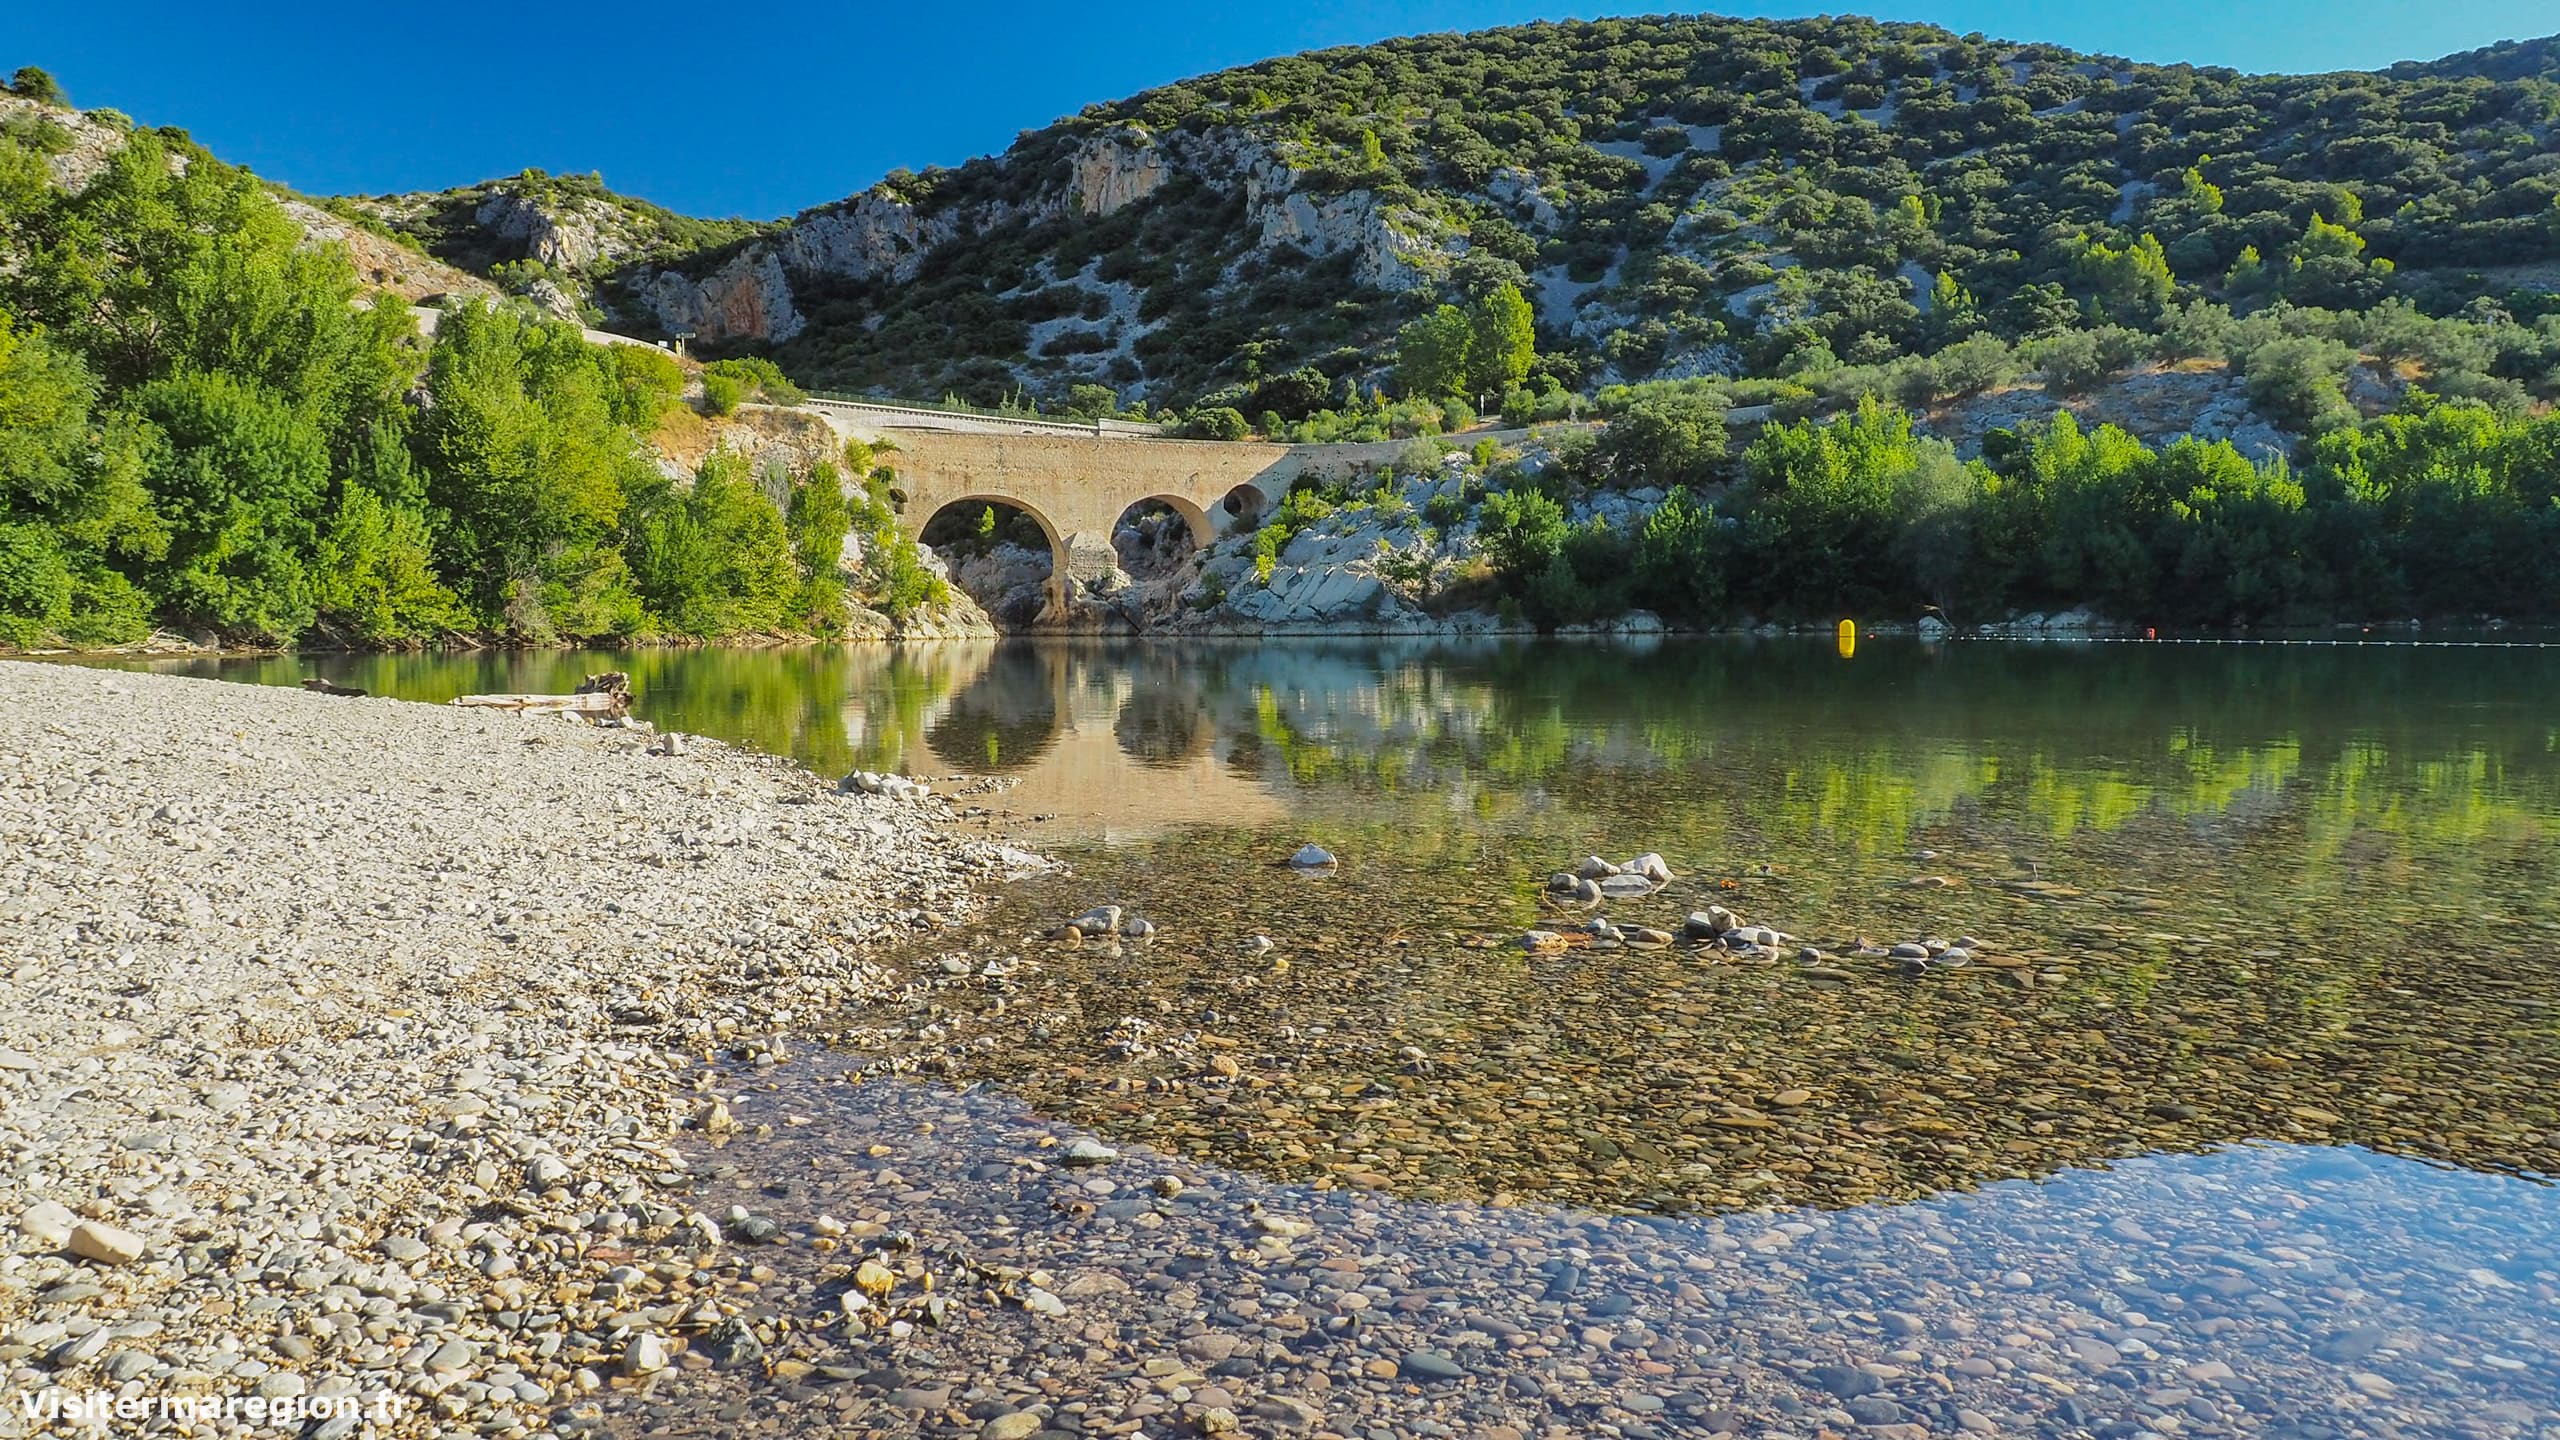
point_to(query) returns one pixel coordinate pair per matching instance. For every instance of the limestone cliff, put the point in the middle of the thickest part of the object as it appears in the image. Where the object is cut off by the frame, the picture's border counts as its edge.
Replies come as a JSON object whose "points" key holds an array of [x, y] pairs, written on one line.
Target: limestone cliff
{"points": [[747, 298], [879, 235]]}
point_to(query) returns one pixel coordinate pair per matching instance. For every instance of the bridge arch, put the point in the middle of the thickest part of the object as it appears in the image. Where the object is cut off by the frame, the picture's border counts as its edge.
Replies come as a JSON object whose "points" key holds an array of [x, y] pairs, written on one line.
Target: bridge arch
{"points": [[920, 515], [1204, 527]]}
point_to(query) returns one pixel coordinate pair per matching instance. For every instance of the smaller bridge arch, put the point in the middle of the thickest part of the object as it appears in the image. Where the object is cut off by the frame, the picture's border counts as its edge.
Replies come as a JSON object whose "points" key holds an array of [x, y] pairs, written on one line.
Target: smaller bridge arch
{"points": [[1203, 521]]}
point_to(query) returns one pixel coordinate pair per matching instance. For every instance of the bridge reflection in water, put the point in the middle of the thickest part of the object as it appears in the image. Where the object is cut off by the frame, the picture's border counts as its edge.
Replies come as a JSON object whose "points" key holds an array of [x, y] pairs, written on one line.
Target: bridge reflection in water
{"points": [[1114, 750]]}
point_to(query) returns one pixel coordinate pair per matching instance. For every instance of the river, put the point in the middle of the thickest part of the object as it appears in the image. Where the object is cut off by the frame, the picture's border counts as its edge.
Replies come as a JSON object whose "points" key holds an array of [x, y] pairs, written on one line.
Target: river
{"points": [[2240, 1119]]}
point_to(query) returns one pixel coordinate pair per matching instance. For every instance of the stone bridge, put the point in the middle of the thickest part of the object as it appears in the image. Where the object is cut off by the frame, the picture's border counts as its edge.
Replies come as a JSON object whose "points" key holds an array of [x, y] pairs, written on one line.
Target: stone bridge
{"points": [[1077, 483]]}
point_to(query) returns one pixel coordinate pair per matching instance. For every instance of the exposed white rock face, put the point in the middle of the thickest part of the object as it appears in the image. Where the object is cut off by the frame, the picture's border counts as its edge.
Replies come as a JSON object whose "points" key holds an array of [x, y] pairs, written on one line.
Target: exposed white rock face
{"points": [[569, 238], [748, 298], [876, 235], [1391, 257], [1394, 253], [1516, 187], [555, 300], [1113, 172], [1009, 581], [873, 235], [92, 143]]}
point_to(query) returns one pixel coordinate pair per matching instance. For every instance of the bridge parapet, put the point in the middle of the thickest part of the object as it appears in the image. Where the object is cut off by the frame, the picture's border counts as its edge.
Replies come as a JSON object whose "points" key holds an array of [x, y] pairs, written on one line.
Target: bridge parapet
{"points": [[886, 415]]}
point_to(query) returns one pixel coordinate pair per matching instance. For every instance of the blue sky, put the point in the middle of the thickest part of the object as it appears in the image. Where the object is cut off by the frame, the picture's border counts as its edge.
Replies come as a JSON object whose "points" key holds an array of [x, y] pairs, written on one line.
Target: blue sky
{"points": [[761, 110]]}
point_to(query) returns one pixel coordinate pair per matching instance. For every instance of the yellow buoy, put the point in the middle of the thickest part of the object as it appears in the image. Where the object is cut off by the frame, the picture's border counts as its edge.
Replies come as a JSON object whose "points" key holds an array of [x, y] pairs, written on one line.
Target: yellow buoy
{"points": [[1848, 638]]}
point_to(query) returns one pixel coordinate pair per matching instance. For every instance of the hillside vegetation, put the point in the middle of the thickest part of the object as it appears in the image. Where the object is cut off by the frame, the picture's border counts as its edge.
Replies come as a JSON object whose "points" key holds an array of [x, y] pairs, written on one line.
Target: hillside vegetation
{"points": [[209, 419], [1678, 196]]}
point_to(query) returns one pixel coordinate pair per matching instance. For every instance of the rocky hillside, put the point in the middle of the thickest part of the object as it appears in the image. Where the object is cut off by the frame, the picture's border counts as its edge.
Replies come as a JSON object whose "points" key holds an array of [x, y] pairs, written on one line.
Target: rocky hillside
{"points": [[549, 238], [1680, 196]]}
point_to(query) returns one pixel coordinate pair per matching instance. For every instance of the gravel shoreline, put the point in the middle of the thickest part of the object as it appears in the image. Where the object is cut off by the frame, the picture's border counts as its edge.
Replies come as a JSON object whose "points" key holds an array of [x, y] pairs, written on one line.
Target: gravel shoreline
{"points": [[372, 1028]]}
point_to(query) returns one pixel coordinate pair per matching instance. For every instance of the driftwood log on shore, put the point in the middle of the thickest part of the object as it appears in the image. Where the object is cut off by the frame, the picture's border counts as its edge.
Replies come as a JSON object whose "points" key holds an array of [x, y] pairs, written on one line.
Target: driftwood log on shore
{"points": [[606, 694]]}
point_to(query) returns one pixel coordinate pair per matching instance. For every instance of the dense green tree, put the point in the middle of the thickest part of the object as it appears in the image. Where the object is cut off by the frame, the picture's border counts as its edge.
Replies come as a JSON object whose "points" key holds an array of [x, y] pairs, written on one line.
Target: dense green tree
{"points": [[72, 487], [35, 584], [374, 573], [1679, 563], [528, 474], [1503, 341], [1293, 395], [1522, 530], [239, 475], [1822, 505], [1972, 366], [818, 520], [722, 394], [1217, 422], [1667, 440], [1432, 353], [749, 377], [2087, 502], [1936, 507], [715, 558], [2132, 283], [2299, 380], [170, 261], [2037, 311], [31, 83], [1092, 402], [647, 383]]}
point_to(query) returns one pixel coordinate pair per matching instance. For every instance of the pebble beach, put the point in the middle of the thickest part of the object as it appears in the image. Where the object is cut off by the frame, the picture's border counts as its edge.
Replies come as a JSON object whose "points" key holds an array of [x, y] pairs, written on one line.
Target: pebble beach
{"points": [[346, 1044]]}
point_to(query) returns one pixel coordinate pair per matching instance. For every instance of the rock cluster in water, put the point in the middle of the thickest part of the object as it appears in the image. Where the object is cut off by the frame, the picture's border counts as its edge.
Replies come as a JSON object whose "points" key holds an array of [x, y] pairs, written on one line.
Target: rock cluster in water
{"points": [[894, 787]]}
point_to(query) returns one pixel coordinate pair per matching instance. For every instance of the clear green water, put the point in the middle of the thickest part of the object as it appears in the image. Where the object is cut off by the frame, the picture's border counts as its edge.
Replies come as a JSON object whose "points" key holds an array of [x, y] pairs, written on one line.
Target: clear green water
{"points": [[2306, 894], [2271, 944]]}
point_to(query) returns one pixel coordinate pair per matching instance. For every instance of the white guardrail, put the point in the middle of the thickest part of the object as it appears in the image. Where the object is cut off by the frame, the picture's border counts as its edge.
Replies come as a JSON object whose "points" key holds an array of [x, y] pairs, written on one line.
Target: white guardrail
{"points": [[893, 416]]}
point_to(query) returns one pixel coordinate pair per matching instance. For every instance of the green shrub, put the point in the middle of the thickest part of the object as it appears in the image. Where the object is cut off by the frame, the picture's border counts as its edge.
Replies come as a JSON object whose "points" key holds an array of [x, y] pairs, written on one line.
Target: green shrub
{"points": [[1679, 560], [106, 609], [757, 376], [31, 83], [1092, 402], [2300, 381], [895, 578], [1216, 422], [722, 394], [1972, 366], [716, 560], [1521, 532], [647, 381], [376, 579], [1666, 440], [1421, 458], [2077, 360]]}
